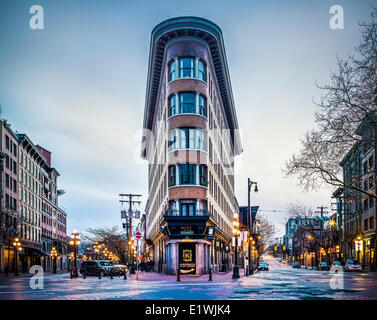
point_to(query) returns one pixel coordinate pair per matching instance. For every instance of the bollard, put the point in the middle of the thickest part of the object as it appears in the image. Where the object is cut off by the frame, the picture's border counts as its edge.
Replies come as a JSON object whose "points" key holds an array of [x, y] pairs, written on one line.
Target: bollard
{"points": [[178, 274], [251, 271], [111, 274], [125, 275], [84, 274], [71, 274], [210, 274], [99, 274]]}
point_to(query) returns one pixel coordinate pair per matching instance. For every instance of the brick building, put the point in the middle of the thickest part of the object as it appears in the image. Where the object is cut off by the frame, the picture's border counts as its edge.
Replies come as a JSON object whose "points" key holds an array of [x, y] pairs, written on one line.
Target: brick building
{"points": [[190, 140]]}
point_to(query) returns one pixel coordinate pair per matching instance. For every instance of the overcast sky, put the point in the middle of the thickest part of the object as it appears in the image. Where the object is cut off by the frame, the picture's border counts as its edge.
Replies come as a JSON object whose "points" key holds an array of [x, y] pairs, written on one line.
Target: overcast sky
{"points": [[78, 87]]}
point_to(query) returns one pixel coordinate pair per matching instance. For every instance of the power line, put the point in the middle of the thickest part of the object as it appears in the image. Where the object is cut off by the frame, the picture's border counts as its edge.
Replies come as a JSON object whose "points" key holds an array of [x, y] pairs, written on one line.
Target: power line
{"points": [[272, 210]]}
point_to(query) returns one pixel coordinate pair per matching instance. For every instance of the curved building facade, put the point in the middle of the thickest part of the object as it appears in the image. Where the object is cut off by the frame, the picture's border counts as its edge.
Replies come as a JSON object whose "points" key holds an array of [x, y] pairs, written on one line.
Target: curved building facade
{"points": [[190, 140]]}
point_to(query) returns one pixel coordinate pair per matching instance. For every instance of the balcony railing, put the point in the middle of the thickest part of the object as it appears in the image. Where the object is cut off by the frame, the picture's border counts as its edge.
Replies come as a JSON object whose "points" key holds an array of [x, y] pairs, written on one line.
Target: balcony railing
{"points": [[196, 213]]}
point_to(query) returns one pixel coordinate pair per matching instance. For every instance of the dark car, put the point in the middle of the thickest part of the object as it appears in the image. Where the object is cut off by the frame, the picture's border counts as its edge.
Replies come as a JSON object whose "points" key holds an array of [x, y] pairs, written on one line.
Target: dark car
{"points": [[324, 266], [94, 267], [263, 266], [296, 265]]}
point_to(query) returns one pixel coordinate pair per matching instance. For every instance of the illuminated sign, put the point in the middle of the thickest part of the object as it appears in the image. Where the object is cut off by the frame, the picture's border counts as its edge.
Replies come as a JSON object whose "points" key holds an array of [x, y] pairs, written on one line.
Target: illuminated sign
{"points": [[187, 255], [210, 233]]}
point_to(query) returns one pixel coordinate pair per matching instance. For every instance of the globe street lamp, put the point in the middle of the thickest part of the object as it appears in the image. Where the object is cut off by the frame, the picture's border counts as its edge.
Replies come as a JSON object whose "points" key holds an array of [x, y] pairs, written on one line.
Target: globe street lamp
{"points": [[358, 246], [97, 248], [75, 241], [54, 255], [236, 232], [17, 247], [250, 222]]}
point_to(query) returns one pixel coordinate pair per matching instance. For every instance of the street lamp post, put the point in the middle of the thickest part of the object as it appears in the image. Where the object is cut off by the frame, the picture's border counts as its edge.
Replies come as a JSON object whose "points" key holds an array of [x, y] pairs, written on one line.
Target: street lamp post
{"points": [[54, 255], [358, 245], [75, 241], [236, 232], [97, 248], [250, 222], [17, 247]]}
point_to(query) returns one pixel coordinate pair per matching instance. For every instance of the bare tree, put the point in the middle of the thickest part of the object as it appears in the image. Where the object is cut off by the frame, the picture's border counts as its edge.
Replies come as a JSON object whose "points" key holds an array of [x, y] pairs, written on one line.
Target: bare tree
{"points": [[267, 231], [112, 238], [349, 98], [10, 225], [299, 210]]}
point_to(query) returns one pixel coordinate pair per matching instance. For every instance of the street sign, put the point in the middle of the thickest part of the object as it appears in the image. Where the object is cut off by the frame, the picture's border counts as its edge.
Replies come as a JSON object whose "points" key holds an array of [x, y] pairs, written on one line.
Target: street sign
{"points": [[138, 235]]}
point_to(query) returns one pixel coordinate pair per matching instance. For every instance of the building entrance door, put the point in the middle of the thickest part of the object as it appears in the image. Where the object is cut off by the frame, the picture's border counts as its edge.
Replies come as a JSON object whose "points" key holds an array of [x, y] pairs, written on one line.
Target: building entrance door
{"points": [[187, 258]]}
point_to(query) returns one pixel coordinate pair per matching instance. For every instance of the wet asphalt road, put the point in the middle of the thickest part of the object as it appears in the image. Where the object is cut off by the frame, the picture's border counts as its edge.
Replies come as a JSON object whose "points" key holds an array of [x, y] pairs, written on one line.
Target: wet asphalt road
{"points": [[280, 283]]}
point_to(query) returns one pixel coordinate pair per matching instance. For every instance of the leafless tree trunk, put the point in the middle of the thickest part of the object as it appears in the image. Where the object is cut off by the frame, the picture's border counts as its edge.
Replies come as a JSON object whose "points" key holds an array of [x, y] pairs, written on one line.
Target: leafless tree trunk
{"points": [[112, 238]]}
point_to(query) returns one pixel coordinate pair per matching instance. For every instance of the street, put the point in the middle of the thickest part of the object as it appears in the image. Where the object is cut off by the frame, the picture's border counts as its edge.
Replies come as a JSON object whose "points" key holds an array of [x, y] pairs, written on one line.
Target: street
{"points": [[281, 282]]}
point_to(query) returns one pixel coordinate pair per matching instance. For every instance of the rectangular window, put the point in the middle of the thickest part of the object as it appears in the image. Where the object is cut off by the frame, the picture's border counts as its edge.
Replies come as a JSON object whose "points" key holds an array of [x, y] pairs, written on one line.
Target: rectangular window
{"points": [[6, 142], [203, 175], [200, 137], [187, 102], [172, 71], [187, 207], [366, 204], [187, 68], [172, 176], [187, 174], [192, 140], [365, 224], [201, 71], [210, 150], [173, 141], [371, 222], [183, 138], [202, 106], [172, 106]]}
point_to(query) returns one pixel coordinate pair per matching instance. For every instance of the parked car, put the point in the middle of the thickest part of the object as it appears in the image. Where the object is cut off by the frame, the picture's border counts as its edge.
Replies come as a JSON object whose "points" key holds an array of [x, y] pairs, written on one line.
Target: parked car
{"points": [[263, 266], [284, 261], [324, 266], [119, 269], [296, 265], [352, 265], [94, 267]]}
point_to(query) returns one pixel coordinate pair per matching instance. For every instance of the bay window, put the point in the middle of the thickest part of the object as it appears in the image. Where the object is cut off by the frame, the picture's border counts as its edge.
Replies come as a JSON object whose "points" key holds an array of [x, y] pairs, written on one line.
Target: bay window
{"points": [[187, 138], [187, 102], [187, 67]]}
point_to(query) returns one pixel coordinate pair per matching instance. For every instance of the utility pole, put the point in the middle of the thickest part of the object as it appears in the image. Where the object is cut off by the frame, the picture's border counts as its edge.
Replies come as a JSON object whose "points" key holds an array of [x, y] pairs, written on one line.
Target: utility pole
{"points": [[321, 227], [130, 202]]}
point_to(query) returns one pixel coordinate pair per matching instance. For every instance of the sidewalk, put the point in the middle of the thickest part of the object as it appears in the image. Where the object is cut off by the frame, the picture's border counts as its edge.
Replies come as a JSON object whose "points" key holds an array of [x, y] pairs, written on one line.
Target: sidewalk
{"points": [[154, 276], [27, 275]]}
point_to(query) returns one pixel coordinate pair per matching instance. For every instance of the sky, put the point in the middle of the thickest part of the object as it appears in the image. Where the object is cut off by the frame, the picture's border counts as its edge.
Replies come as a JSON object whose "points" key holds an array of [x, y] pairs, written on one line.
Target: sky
{"points": [[77, 88]]}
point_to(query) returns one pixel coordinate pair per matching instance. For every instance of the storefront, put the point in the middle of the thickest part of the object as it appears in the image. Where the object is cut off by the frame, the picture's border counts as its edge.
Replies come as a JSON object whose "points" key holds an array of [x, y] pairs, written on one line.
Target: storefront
{"points": [[187, 258]]}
